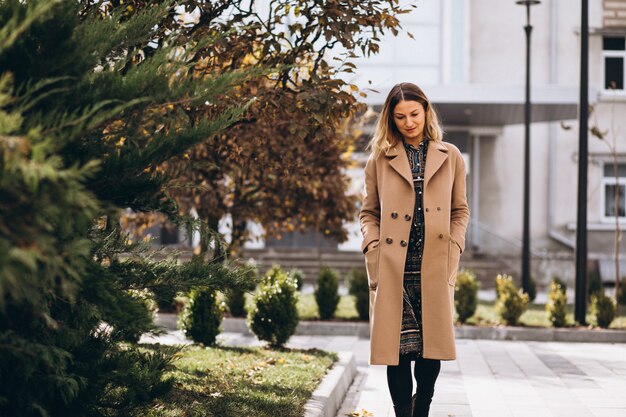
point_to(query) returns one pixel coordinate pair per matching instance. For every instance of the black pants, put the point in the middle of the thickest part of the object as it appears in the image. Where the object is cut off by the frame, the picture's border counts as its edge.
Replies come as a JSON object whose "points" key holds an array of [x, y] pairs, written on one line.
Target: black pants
{"points": [[401, 384]]}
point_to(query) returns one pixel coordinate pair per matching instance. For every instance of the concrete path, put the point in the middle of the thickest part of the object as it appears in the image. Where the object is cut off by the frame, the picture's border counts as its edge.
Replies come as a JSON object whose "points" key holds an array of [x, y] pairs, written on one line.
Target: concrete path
{"points": [[489, 379], [512, 379]]}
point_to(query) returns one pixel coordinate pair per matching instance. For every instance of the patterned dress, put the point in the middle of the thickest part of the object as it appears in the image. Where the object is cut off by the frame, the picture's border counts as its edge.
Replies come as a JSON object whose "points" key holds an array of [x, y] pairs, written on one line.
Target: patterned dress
{"points": [[411, 342]]}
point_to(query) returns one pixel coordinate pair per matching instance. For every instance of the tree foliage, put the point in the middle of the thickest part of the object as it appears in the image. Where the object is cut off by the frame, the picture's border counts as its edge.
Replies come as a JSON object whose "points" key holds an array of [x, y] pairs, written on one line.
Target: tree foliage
{"points": [[283, 164], [84, 124]]}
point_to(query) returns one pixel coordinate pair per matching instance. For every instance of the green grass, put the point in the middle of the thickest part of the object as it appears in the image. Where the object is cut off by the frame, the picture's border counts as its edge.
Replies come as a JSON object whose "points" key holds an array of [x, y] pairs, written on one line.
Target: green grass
{"points": [[228, 381], [346, 310], [307, 307]]}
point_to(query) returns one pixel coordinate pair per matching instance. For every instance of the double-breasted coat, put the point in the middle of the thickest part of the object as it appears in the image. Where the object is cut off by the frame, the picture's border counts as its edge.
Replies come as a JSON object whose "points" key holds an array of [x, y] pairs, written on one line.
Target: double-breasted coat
{"points": [[385, 217]]}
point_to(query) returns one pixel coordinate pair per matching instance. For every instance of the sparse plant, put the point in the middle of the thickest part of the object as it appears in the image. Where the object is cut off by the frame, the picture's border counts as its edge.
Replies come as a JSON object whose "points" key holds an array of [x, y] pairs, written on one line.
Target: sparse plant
{"points": [[621, 292], [327, 293], [603, 308], [298, 276], [466, 294], [359, 288], [560, 281], [512, 302], [557, 304]]}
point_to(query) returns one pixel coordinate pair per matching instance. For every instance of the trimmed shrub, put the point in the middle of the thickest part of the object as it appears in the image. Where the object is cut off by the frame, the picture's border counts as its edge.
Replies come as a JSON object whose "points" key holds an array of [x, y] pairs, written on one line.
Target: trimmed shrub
{"points": [[466, 294], [603, 308], [298, 276], [621, 292], [557, 304], [512, 302], [202, 316], [276, 272], [359, 288], [236, 296], [164, 296], [235, 301], [327, 293], [532, 289], [274, 317], [561, 282], [595, 283]]}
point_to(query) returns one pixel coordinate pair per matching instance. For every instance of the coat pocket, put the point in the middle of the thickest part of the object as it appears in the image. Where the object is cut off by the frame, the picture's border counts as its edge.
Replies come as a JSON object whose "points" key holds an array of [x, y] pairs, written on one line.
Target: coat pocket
{"points": [[454, 256], [371, 265]]}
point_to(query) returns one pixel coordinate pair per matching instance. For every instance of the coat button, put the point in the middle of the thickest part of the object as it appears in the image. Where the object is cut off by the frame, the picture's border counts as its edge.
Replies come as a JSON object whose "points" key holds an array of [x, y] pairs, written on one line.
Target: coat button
{"points": [[394, 215], [440, 236], [389, 240], [426, 209], [403, 243], [407, 217]]}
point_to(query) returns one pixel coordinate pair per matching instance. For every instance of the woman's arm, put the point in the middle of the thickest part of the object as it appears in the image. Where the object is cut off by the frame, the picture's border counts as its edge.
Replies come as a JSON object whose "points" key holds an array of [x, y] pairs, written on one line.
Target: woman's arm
{"points": [[369, 216], [459, 214]]}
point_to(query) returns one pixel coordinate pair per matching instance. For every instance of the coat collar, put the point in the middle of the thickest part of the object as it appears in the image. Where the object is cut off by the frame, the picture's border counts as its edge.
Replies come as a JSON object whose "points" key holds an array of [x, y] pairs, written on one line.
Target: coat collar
{"points": [[400, 161]]}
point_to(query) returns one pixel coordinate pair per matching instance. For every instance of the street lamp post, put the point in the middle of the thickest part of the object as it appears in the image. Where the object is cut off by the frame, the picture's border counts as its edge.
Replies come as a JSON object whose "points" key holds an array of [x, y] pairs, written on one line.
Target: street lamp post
{"points": [[526, 231], [580, 305]]}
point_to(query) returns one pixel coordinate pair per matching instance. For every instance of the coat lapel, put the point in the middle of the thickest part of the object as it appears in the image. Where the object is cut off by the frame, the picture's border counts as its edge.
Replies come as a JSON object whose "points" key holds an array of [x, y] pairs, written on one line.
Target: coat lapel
{"points": [[437, 154], [400, 162]]}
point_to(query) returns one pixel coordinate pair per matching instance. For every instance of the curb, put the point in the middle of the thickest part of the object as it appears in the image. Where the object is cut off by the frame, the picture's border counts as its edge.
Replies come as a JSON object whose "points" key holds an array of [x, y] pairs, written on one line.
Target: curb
{"points": [[541, 335], [362, 329], [528, 334], [306, 328], [327, 398]]}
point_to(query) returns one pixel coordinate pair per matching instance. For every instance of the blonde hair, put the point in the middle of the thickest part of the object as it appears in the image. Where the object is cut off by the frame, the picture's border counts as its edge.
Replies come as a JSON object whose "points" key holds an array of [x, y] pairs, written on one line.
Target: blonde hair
{"points": [[387, 135]]}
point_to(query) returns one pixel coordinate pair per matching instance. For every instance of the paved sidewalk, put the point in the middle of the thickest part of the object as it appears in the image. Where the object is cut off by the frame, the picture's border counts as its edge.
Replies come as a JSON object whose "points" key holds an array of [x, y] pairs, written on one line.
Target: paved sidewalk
{"points": [[513, 379], [489, 379]]}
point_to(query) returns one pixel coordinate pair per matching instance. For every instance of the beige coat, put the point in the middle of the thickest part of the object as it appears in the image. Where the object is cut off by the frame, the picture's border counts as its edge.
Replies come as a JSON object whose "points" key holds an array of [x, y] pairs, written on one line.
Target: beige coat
{"points": [[385, 218]]}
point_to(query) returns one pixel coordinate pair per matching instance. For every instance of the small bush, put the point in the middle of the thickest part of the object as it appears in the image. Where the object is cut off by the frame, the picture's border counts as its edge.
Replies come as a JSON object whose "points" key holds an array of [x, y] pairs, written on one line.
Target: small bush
{"points": [[595, 283], [603, 308], [466, 294], [274, 317], [236, 300], [621, 292], [327, 293], [276, 272], [298, 276], [202, 316], [532, 289], [560, 282], [359, 288], [164, 296], [236, 297], [557, 305], [512, 302]]}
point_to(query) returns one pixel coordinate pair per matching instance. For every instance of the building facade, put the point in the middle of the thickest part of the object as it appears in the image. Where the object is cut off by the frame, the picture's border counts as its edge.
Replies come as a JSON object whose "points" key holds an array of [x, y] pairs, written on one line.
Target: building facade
{"points": [[469, 57]]}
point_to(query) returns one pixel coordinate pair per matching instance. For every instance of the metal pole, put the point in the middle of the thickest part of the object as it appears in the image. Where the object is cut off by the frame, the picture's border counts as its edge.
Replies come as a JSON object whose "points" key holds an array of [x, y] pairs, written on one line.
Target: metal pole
{"points": [[526, 231], [583, 122]]}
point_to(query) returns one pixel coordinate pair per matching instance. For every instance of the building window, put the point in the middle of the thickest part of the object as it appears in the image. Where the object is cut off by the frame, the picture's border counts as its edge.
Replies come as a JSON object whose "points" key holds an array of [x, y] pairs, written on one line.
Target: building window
{"points": [[613, 56], [609, 185]]}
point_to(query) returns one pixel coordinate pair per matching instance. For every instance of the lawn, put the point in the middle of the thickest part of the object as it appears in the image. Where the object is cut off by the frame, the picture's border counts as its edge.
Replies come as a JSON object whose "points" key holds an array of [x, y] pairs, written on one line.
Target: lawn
{"points": [[535, 316], [234, 382], [307, 307]]}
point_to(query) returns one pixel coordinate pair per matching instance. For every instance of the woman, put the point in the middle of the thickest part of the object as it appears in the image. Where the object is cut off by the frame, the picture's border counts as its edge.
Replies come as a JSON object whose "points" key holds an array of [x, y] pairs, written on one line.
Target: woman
{"points": [[413, 219]]}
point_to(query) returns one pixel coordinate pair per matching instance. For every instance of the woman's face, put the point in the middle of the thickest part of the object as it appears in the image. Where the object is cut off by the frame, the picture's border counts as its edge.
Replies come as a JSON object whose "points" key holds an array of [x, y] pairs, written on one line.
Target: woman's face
{"points": [[409, 119]]}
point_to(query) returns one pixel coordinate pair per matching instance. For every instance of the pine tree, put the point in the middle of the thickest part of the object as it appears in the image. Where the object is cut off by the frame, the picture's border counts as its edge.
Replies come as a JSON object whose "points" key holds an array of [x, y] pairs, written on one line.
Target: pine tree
{"points": [[89, 108]]}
